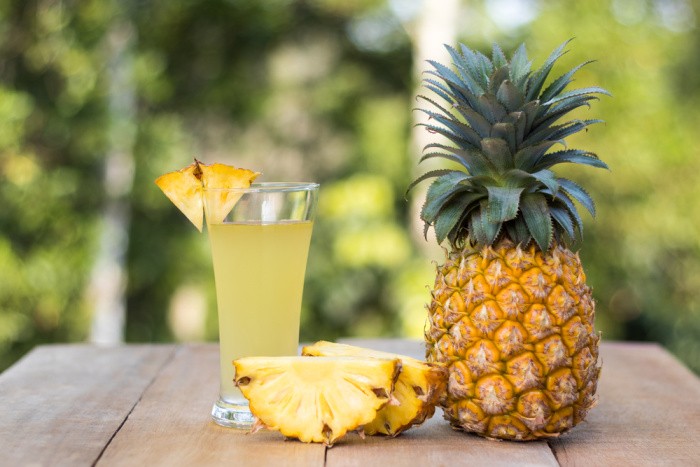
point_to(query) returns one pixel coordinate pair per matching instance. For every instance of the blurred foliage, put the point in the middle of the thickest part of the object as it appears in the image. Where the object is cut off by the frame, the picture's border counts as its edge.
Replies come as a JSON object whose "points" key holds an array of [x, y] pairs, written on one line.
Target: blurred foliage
{"points": [[321, 90]]}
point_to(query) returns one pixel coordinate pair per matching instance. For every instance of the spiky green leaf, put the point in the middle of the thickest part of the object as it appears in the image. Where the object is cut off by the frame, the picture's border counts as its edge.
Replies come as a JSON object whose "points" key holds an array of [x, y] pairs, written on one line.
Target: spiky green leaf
{"points": [[538, 78], [510, 96], [563, 219], [560, 83], [498, 152], [517, 231], [440, 192], [475, 120], [453, 212], [427, 175], [527, 157], [503, 203], [576, 92], [535, 211], [566, 202], [481, 228], [498, 57], [575, 156], [519, 65], [497, 78], [506, 132], [577, 192]]}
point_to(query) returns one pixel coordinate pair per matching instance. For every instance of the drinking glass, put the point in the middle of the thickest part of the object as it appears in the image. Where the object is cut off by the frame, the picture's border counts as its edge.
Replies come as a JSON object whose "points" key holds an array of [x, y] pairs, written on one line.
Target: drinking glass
{"points": [[259, 251]]}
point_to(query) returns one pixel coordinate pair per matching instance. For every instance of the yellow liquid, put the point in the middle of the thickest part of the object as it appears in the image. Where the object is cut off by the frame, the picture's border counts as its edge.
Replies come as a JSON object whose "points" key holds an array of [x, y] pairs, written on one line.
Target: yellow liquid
{"points": [[259, 275]]}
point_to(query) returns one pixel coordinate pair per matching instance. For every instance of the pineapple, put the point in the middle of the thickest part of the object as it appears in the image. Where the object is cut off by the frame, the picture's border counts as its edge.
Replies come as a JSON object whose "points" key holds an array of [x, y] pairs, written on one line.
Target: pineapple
{"points": [[417, 391], [511, 314], [316, 399], [185, 188]]}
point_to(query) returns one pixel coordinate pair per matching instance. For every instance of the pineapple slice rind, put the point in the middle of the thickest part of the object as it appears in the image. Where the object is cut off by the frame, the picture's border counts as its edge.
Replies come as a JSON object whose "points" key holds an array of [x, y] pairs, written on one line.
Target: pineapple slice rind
{"points": [[417, 391], [316, 399]]}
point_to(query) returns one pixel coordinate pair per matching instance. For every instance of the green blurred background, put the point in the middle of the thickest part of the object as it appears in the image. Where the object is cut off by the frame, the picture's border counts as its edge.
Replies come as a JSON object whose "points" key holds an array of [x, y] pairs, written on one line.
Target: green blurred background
{"points": [[99, 97]]}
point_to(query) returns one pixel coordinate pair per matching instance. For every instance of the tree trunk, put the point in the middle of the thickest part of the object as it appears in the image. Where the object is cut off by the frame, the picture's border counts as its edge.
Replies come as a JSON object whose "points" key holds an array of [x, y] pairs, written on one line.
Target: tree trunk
{"points": [[436, 26], [107, 287]]}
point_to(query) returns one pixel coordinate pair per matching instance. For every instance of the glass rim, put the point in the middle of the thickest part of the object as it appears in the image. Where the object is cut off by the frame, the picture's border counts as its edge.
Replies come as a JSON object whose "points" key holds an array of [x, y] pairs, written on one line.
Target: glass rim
{"points": [[272, 187]]}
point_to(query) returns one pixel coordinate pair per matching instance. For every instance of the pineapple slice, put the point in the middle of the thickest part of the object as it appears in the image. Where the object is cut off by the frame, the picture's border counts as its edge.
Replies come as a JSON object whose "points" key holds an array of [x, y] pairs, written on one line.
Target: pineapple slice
{"points": [[185, 188], [418, 389], [316, 399]]}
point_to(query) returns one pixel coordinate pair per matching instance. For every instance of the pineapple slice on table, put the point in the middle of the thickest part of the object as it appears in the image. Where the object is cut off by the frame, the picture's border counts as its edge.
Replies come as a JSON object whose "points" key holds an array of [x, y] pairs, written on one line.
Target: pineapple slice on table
{"points": [[316, 399], [418, 389], [185, 188]]}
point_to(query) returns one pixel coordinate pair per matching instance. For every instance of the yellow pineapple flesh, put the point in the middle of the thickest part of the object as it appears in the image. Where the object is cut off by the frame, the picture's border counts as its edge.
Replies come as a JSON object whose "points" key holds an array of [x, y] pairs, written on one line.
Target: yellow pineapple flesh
{"points": [[515, 327], [185, 188], [316, 399], [418, 388]]}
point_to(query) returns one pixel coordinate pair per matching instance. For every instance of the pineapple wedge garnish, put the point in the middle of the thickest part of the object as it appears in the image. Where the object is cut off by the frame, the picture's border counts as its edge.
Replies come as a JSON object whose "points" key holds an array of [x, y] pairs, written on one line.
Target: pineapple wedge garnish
{"points": [[316, 399], [417, 391], [185, 188]]}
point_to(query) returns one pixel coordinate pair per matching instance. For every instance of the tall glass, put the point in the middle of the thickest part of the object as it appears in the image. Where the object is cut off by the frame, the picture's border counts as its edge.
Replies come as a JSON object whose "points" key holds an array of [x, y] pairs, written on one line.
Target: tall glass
{"points": [[259, 252]]}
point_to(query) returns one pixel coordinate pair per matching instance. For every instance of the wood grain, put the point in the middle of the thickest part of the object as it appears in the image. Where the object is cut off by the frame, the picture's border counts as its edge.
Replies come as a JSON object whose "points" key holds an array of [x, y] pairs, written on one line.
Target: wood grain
{"points": [[149, 405], [435, 444], [61, 404], [648, 413], [171, 424]]}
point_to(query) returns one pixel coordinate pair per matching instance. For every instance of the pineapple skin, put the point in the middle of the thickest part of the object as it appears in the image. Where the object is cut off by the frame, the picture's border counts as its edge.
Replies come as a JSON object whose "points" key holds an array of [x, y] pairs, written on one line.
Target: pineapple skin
{"points": [[515, 328]]}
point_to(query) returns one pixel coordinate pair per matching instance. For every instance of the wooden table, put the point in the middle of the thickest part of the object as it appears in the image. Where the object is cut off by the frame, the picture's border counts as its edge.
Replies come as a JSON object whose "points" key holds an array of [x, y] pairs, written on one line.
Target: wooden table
{"points": [[143, 405]]}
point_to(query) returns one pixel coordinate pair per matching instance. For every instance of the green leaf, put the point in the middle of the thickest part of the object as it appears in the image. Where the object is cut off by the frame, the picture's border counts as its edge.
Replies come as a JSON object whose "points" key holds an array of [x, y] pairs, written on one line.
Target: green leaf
{"points": [[538, 78], [575, 156], [453, 212], [554, 113], [478, 163], [498, 57], [497, 151], [440, 89], [510, 96], [575, 93], [435, 104], [560, 83], [561, 217], [537, 217], [571, 209], [527, 157], [491, 108], [497, 78], [457, 139], [447, 220], [456, 127], [476, 120], [503, 203], [517, 231], [472, 64], [483, 231], [427, 175], [440, 192], [577, 192], [518, 119], [506, 132], [519, 65], [547, 178], [469, 76]]}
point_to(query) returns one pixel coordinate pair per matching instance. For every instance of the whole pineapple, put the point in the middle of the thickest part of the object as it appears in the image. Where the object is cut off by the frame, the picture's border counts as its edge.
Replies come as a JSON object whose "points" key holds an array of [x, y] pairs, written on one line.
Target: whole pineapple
{"points": [[511, 314]]}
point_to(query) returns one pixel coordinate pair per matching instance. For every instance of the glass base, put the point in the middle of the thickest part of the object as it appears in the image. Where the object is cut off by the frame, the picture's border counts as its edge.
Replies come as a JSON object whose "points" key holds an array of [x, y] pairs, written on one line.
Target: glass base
{"points": [[232, 415]]}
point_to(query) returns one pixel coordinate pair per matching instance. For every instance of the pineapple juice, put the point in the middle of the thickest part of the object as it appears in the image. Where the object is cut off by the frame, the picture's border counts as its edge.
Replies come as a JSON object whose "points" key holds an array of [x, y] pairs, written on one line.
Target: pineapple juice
{"points": [[259, 275]]}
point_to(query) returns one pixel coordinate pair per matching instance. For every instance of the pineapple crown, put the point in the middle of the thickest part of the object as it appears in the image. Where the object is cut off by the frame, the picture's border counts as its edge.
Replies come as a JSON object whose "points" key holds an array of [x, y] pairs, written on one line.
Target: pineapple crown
{"points": [[502, 122]]}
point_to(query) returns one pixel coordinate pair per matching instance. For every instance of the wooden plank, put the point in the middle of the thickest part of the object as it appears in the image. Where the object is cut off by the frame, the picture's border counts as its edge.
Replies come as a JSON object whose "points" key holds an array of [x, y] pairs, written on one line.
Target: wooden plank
{"points": [[61, 404], [171, 424], [648, 412], [435, 443]]}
